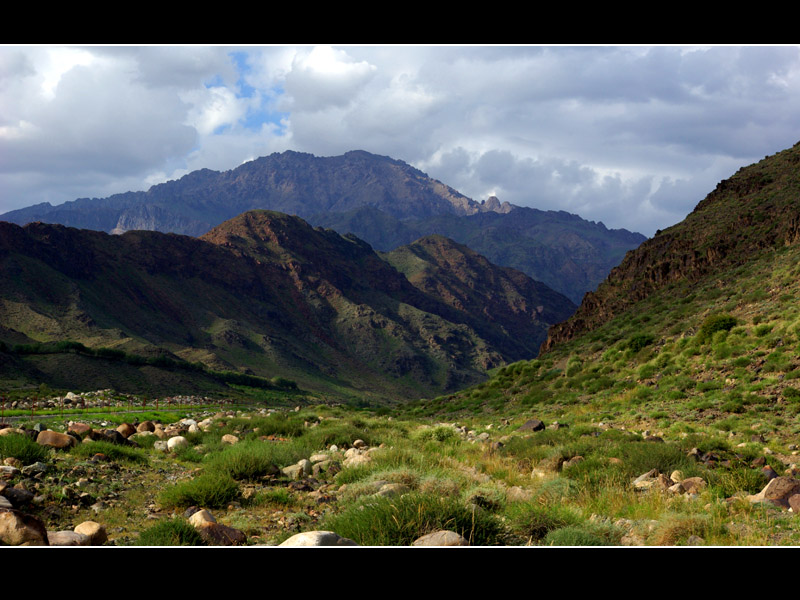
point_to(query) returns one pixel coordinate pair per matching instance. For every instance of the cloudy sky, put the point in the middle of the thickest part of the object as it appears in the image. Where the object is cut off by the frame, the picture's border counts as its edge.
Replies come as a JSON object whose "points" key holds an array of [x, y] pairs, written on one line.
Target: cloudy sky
{"points": [[630, 136]]}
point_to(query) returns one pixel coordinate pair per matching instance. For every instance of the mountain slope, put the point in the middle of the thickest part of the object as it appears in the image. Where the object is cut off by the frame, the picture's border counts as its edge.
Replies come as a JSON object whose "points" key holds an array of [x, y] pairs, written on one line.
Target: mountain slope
{"points": [[754, 210], [503, 304], [700, 325], [264, 293]]}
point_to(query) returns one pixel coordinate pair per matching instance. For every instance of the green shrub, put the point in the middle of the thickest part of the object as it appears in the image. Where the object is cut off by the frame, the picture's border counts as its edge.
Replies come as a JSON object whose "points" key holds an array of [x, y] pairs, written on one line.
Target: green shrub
{"points": [[175, 532], [441, 433], [532, 522], [274, 497], [400, 521], [791, 394], [23, 448], [250, 459], [114, 452], [209, 490], [585, 534], [714, 323], [639, 341]]}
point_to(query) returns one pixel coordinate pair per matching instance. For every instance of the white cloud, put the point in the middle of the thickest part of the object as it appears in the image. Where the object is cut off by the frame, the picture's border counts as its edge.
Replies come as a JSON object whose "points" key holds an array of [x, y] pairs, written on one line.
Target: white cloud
{"points": [[325, 77], [631, 136]]}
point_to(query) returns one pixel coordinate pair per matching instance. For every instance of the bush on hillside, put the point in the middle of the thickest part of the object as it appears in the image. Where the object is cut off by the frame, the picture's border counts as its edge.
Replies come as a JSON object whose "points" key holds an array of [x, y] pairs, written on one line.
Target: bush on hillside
{"points": [[714, 323]]}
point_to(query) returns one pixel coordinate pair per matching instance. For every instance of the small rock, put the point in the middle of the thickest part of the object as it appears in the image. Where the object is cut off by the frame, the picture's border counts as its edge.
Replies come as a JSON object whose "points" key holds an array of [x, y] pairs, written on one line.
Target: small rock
{"points": [[229, 438]]}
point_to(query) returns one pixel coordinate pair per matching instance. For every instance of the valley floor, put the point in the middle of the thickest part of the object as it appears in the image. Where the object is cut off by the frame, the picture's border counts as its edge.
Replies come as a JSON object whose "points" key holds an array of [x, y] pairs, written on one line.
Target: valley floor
{"points": [[264, 476]]}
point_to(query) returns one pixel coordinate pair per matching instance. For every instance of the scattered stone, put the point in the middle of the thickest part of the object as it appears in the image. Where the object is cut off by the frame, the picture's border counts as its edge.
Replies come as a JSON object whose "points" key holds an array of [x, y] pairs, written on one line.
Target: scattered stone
{"points": [[441, 538], [318, 538], [229, 438], [359, 444]]}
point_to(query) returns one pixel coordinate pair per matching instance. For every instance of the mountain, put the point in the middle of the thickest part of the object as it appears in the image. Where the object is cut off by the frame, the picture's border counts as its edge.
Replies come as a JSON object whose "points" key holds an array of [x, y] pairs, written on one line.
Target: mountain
{"points": [[697, 327], [264, 294], [568, 253], [381, 200], [290, 182]]}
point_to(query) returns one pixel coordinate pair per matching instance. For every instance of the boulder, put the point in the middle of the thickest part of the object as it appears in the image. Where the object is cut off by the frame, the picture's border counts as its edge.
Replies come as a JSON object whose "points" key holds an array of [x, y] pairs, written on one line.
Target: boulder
{"points": [[53, 439], [67, 538], [216, 534], [317, 538], [532, 425], [177, 442], [126, 430], [20, 529], [81, 429], [778, 491], [441, 538], [145, 426], [229, 438]]}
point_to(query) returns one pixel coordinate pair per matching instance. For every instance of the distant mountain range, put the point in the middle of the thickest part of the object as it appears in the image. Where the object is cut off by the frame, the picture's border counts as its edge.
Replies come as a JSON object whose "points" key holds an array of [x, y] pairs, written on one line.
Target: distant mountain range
{"points": [[383, 201], [265, 294]]}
